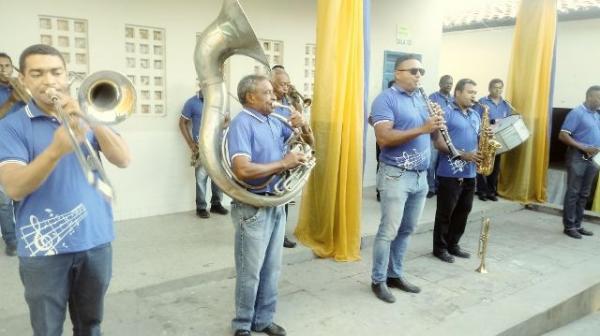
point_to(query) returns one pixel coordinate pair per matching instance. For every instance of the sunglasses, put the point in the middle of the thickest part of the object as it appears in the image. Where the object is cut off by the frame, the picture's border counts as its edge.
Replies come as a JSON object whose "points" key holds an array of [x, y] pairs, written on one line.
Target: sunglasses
{"points": [[414, 71]]}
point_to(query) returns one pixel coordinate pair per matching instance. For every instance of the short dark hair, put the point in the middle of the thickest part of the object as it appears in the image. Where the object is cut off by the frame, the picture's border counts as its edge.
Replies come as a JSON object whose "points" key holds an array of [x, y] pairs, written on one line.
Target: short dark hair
{"points": [[39, 49], [444, 77], [277, 66], [591, 89], [391, 83], [5, 55], [248, 85], [460, 85], [406, 57], [495, 81]]}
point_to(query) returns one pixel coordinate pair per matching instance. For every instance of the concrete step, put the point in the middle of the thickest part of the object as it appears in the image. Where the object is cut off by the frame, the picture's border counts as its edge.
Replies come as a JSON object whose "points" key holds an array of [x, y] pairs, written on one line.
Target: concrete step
{"points": [[586, 326]]}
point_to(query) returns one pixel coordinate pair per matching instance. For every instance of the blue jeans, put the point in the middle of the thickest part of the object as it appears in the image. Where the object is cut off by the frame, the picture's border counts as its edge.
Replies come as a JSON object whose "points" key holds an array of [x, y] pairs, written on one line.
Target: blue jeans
{"points": [[402, 201], [258, 248], [201, 180], [431, 172], [7, 220], [79, 279], [580, 176]]}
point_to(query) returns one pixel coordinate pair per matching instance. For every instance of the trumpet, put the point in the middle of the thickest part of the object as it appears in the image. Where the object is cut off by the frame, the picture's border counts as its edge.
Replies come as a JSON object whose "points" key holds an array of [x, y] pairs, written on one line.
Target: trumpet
{"points": [[483, 244], [105, 98]]}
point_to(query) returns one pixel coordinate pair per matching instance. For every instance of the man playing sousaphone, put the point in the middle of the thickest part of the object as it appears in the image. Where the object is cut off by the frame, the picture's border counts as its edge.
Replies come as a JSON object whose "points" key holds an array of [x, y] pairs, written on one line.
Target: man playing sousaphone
{"points": [[64, 224], [581, 132], [255, 143]]}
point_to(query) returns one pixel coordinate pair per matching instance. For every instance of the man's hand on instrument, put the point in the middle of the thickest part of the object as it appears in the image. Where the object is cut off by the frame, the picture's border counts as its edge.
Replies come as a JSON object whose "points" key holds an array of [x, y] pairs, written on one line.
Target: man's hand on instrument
{"points": [[61, 142], [293, 160], [591, 151], [470, 156], [296, 119], [434, 123]]}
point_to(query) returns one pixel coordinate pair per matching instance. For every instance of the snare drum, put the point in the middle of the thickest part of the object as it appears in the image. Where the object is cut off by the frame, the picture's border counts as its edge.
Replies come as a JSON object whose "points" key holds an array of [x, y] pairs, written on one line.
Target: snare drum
{"points": [[510, 132]]}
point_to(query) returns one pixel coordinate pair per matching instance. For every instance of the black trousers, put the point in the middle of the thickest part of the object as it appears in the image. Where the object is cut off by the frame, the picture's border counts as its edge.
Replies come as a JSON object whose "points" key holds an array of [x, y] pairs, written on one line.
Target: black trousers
{"points": [[454, 203], [488, 185]]}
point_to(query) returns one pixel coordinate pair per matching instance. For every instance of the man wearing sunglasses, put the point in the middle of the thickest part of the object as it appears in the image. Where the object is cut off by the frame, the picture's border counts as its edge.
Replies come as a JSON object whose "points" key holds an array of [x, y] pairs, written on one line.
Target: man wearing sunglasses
{"points": [[403, 129]]}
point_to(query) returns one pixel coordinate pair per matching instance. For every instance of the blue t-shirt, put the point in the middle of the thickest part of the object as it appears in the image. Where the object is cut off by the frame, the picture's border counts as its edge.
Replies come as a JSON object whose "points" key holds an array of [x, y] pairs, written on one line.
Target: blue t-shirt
{"points": [[440, 99], [65, 214], [192, 110], [497, 111], [464, 132], [5, 92], [259, 137], [583, 125], [406, 110]]}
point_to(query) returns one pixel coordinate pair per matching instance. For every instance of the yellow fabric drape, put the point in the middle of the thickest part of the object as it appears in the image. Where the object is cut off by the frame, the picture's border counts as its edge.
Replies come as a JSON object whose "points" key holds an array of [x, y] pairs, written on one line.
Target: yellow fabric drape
{"points": [[523, 170], [330, 214], [596, 204]]}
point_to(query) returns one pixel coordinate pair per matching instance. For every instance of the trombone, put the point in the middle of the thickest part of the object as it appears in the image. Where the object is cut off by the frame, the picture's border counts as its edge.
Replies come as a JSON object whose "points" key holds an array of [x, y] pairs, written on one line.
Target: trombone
{"points": [[105, 98]]}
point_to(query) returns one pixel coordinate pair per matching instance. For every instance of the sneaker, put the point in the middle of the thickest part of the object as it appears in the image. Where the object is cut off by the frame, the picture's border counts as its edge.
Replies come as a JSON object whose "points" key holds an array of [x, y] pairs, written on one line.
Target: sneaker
{"points": [[10, 250], [219, 209], [202, 213]]}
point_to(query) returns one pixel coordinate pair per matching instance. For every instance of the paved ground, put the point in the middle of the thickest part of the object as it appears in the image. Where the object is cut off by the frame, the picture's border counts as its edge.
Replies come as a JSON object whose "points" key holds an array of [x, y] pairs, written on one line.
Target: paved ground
{"points": [[174, 276]]}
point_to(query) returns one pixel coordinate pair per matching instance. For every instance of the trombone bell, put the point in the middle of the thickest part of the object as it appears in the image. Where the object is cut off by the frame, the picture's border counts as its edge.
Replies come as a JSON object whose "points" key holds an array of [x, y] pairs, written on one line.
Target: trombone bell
{"points": [[106, 97]]}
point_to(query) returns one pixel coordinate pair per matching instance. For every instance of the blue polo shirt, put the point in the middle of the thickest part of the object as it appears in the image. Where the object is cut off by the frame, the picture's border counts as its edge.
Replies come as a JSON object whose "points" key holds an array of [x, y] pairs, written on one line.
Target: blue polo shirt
{"points": [[192, 110], [259, 137], [464, 132], [65, 214], [440, 99], [282, 111], [497, 111], [406, 110], [5, 92], [583, 125]]}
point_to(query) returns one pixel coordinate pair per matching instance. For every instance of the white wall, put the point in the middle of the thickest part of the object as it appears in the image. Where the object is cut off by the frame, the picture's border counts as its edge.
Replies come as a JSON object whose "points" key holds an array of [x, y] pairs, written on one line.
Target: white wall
{"points": [[489, 52], [159, 180]]}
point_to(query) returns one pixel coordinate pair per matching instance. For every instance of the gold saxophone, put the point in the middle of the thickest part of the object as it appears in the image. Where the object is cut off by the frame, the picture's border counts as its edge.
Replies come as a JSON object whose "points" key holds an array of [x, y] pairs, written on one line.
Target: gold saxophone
{"points": [[487, 145]]}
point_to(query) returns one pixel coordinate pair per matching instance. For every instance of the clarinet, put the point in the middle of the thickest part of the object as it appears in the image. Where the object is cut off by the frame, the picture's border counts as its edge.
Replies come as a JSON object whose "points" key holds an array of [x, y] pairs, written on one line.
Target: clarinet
{"points": [[452, 151]]}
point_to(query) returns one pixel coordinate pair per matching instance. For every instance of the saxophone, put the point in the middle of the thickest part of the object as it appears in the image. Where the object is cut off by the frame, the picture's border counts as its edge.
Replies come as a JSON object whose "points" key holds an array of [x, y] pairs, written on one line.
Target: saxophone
{"points": [[487, 145]]}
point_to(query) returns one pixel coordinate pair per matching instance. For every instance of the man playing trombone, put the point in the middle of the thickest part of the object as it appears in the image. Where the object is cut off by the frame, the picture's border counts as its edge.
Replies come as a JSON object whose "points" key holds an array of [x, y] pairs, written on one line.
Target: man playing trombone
{"points": [[64, 224], [581, 132]]}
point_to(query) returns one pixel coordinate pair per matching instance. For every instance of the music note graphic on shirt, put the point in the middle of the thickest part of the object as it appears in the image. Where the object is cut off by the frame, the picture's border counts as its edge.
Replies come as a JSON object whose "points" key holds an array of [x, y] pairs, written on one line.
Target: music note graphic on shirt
{"points": [[410, 161], [42, 237]]}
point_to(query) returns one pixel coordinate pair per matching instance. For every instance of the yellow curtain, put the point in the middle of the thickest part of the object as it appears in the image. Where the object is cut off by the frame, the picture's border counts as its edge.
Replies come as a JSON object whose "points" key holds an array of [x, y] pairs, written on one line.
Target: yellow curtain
{"points": [[596, 204], [330, 213], [529, 86]]}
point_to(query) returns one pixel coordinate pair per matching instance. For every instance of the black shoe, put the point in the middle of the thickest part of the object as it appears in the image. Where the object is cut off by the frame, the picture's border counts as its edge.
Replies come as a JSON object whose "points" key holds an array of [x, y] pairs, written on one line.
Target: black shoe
{"points": [[572, 233], [492, 198], [457, 251], [378, 196], [444, 256], [288, 243], [482, 198], [218, 208], [202, 213], [585, 232], [402, 284], [273, 330], [382, 292], [10, 250], [242, 332], [430, 194]]}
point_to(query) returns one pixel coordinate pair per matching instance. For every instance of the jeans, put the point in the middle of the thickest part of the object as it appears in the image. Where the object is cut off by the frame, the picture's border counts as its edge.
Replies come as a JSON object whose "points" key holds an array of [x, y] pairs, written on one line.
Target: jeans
{"points": [[488, 185], [201, 180], [79, 279], [454, 203], [580, 177], [431, 175], [402, 201], [258, 247], [7, 220]]}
